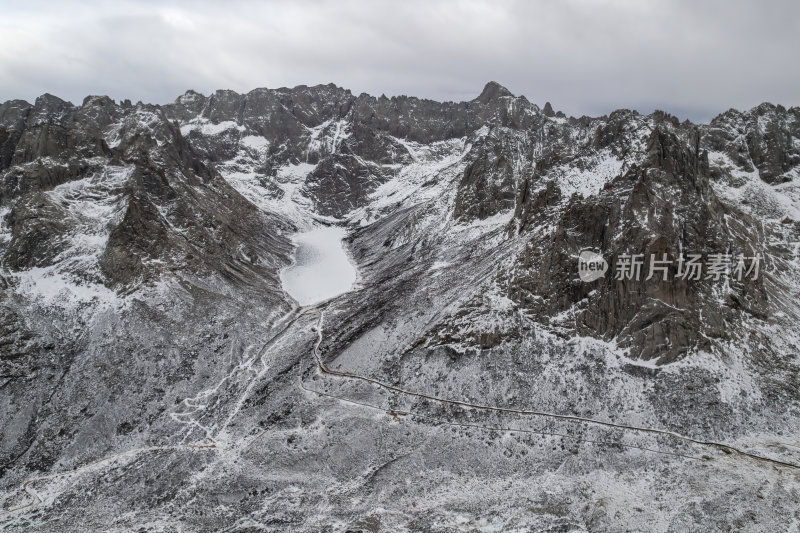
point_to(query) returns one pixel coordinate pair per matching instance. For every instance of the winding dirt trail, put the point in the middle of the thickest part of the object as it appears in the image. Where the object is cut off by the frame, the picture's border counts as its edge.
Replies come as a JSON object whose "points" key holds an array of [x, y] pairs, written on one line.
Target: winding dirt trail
{"points": [[290, 318], [185, 418], [726, 448]]}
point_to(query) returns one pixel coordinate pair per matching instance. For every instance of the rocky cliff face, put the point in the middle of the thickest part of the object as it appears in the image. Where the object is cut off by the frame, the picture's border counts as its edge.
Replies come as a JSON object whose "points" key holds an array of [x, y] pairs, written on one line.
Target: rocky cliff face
{"points": [[151, 360]]}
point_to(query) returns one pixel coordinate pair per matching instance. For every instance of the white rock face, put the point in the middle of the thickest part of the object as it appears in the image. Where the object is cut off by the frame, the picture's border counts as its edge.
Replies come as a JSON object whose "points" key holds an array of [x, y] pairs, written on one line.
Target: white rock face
{"points": [[322, 269]]}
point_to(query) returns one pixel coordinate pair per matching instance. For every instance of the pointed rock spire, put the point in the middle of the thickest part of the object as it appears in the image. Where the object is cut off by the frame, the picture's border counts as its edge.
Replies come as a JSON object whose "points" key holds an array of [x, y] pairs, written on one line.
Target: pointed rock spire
{"points": [[491, 91]]}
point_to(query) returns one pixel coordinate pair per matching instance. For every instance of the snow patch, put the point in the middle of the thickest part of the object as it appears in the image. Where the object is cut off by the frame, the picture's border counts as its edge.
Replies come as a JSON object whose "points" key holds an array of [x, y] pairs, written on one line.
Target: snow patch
{"points": [[255, 142], [321, 269], [206, 127], [588, 182], [48, 286], [328, 136], [748, 191]]}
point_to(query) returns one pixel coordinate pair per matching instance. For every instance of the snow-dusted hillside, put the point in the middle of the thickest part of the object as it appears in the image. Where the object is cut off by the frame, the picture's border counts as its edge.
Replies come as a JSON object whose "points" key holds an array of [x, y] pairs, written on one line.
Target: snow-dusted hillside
{"points": [[305, 310]]}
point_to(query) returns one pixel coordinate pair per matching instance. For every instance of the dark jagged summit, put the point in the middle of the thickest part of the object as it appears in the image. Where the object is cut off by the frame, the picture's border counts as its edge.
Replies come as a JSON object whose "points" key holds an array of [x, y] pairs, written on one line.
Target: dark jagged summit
{"points": [[492, 91]]}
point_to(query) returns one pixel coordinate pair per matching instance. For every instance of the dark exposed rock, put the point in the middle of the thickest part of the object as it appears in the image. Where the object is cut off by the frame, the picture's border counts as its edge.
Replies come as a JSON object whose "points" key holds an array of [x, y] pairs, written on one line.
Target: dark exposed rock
{"points": [[8, 145], [49, 109], [376, 147], [37, 230], [663, 207], [488, 185], [772, 149], [49, 140], [761, 139], [617, 132], [493, 91], [45, 156], [532, 205], [341, 183], [139, 237], [14, 113]]}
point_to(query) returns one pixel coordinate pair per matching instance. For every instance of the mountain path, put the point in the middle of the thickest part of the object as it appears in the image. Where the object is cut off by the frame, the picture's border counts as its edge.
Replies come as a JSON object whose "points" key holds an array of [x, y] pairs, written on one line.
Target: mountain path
{"points": [[726, 448]]}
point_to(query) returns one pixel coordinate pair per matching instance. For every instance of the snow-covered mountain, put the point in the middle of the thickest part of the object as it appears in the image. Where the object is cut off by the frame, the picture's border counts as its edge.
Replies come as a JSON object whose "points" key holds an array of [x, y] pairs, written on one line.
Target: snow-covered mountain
{"points": [[187, 345]]}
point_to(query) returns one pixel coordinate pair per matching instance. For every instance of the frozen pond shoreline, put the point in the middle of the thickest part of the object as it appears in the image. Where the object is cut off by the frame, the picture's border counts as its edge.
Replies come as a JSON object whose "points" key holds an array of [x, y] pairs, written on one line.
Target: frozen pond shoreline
{"points": [[321, 269]]}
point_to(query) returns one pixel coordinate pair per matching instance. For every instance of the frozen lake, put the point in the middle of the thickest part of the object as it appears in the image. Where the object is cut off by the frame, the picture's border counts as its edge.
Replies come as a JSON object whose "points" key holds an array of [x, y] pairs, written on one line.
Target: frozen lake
{"points": [[321, 269]]}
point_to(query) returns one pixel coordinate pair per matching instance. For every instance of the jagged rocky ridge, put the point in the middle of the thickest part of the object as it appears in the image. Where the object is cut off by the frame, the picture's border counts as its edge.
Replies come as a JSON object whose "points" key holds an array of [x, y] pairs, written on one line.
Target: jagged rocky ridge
{"points": [[142, 313]]}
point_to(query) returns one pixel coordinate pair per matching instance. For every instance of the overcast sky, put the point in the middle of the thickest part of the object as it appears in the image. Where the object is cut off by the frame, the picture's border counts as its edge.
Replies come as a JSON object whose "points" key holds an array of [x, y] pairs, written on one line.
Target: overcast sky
{"points": [[691, 58]]}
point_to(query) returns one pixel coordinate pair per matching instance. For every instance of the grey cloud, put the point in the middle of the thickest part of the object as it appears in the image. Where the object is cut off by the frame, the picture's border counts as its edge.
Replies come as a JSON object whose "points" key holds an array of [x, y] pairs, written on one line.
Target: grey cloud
{"points": [[694, 59]]}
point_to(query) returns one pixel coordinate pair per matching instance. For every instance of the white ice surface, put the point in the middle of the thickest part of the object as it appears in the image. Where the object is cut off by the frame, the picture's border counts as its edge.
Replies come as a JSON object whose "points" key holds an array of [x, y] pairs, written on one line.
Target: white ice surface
{"points": [[321, 269]]}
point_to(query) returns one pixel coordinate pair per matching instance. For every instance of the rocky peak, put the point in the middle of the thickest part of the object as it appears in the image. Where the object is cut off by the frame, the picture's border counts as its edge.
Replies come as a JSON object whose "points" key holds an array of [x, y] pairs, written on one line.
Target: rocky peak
{"points": [[492, 91], [14, 113], [765, 139], [189, 97], [49, 109]]}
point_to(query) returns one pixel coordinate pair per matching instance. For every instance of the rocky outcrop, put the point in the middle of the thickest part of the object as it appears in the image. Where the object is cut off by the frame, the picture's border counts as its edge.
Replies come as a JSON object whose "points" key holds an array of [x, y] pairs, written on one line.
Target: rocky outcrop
{"points": [[182, 213], [764, 139], [488, 185], [178, 215], [47, 155], [342, 183], [37, 229], [663, 206]]}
